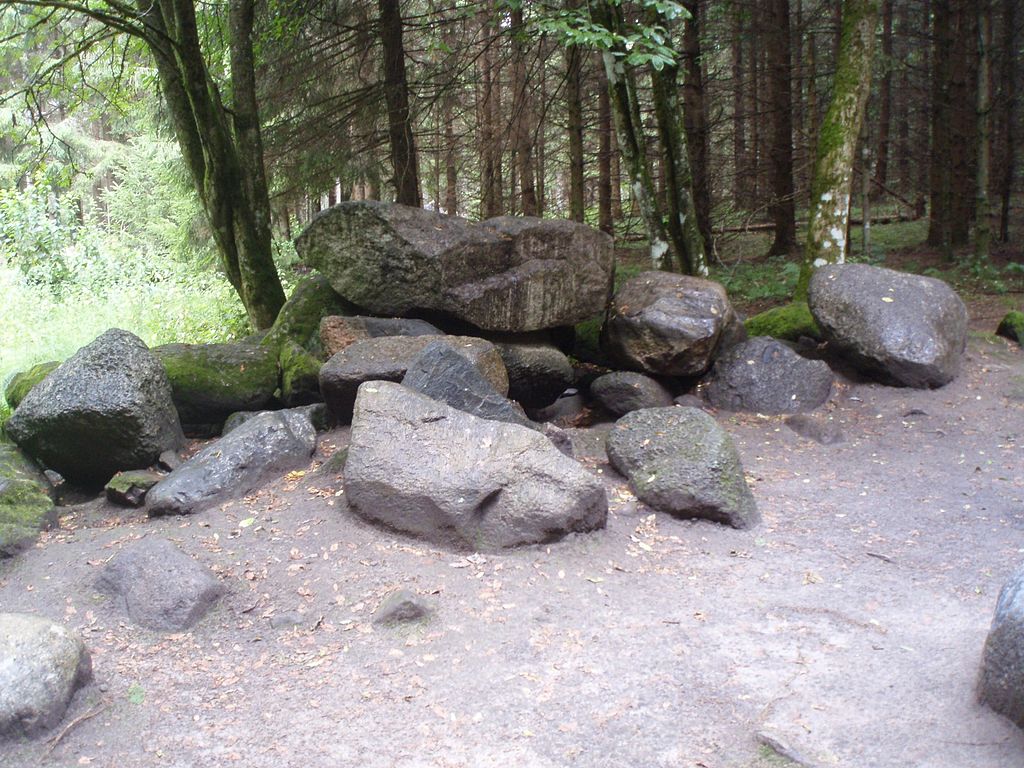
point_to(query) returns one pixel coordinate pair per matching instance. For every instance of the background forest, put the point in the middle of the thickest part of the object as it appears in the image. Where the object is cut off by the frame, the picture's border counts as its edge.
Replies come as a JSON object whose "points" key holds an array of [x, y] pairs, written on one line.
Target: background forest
{"points": [[479, 109]]}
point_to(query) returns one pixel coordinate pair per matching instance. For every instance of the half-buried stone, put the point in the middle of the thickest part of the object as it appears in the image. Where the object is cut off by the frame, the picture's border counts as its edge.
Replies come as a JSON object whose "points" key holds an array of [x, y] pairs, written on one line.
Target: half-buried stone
{"points": [[26, 501], [106, 408], [620, 392], [421, 467], [678, 460], [159, 586], [42, 664], [267, 446], [762, 375], [905, 330], [388, 358]]}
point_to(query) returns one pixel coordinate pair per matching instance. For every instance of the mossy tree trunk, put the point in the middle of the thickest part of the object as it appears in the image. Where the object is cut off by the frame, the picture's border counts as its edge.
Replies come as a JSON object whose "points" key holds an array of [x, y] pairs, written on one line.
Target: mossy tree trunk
{"points": [[837, 142]]}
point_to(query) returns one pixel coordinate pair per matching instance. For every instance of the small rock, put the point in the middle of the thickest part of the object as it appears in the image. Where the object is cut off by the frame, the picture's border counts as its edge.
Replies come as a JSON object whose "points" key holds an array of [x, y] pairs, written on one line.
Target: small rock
{"points": [[129, 489], [160, 587], [42, 664], [1010, 327], [563, 411], [820, 429], [169, 460], [690, 401], [401, 607], [623, 391]]}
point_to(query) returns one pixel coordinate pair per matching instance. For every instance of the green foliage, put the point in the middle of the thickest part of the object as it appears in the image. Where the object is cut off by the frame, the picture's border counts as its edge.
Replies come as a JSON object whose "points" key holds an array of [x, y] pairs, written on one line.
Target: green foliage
{"points": [[772, 279]]}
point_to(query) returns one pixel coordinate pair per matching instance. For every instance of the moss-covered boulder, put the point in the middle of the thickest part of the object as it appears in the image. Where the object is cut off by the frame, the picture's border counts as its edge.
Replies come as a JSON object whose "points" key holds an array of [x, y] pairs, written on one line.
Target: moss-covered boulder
{"points": [[21, 383], [788, 322], [300, 375], [299, 319], [1012, 327], [26, 506], [209, 382]]}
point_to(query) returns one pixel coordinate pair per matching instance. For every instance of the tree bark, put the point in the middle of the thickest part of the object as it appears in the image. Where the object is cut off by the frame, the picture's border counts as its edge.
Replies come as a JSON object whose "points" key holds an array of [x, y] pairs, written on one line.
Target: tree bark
{"points": [[833, 169], [695, 121], [574, 125], [782, 207], [522, 117], [884, 99], [396, 94], [606, 222], [1008, 78], [982, 224]]}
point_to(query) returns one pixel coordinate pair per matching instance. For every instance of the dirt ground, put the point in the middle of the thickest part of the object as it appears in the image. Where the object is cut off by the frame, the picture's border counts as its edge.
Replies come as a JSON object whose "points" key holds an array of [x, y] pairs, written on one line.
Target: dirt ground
{"points": [[845, 630]]}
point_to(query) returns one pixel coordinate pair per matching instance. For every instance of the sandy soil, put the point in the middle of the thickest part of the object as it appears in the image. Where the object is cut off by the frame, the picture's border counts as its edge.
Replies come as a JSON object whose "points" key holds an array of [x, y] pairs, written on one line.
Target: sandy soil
{"points": [[845, 630]]}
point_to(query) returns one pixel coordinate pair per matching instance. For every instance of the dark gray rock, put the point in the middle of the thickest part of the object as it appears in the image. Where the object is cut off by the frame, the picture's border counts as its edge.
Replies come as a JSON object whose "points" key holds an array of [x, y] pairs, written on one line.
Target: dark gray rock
{"points": [[266, 446], [337, 332], [620, 392], [169, 460], [424, 468], [316, 413], [905, 330], [559, 438], [388, 358], [26, 501], [1001, 683], [211, 381], [504, 274], [443, 374], [564, 411], [159, 586], [105, 409], [129, 489], [402, 607], [42, 664], [820, 429], [763, 375], [537, 372], [678, 460], [689, 401], [668, 325]]}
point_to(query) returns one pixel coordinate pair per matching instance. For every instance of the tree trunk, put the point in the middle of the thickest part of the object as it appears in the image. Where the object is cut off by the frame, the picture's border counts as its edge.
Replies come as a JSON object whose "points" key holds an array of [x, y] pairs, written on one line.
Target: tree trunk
{"points": [[396, 94], [782, 207], [739, 113], [884, 100], [522, 116], [606, 222], [1008, 78], [982, 224], [574, 123], [696, 122], [833, 169]]}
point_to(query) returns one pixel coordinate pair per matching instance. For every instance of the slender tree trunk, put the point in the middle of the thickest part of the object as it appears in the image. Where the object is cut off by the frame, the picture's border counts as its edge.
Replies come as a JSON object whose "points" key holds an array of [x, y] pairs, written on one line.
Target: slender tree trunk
{"points": [[812, 101], [696, 122], [523, 117], [605, 217], [739, 112], [982, 223], [782, 207], [1008, 155], [833, 170], [396, 94], [451, 168], [963, 96], [884, 101], [941, 160], [574, 123], [902, 100]]}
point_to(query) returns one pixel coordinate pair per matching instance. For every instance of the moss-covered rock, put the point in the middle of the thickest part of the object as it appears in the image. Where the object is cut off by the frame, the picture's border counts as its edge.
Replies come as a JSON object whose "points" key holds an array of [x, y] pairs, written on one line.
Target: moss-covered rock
{"points": [[21, 383], [300, 375], [788, 322], [129, 488], [26, 506], [299, 319], [211, 381], [1012, 327]]}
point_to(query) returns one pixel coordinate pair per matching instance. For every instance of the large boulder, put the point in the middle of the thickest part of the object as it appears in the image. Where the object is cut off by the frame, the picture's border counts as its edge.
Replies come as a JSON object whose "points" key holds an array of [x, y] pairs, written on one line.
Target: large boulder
{"points": [[338, 332], [678, 460], [504, 274], [419, 466], [669, 325], [159, 586], [42, 664], [762, 375], [388, 358], [538, 372], [22, 382], [26, 503], [620, 392], [209, 382], [443, 374], [299, 318], [268, 445], [105, 409], [1001, 683], [905, 330]]}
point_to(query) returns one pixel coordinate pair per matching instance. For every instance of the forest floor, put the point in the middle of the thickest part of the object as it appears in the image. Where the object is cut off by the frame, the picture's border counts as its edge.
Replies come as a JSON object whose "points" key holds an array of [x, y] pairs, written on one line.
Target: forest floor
{"points": [[845, 630]]}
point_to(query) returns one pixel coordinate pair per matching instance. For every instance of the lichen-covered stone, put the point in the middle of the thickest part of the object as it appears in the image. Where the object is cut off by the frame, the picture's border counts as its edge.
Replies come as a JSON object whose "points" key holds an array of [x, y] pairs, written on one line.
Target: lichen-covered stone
{"points": [[300, 375], [678, 460], [504, 274], [129, 489], [788, 322], [105, 409], [22, 382], [211, 381], [26, 503], [1010, 327]]}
